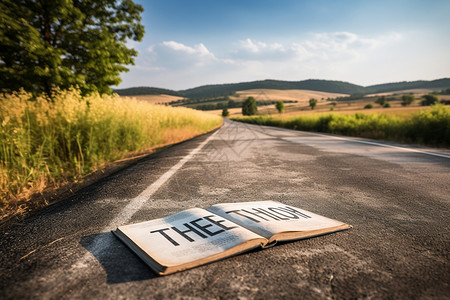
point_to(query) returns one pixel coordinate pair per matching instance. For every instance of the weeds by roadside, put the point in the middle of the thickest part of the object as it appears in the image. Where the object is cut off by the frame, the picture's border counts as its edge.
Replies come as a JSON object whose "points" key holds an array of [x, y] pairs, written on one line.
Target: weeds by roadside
{"points": [[47, 142], [428, 127]]}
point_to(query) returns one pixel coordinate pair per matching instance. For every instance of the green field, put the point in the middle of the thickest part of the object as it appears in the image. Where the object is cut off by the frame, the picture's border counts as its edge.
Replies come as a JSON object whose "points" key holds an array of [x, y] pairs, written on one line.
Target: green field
{"points": [[45, 143], [428, 127]]}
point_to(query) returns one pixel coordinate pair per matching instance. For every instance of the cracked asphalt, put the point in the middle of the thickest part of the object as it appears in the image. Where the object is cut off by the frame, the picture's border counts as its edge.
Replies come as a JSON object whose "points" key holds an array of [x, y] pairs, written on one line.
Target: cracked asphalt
{"points": [[397, 200]]}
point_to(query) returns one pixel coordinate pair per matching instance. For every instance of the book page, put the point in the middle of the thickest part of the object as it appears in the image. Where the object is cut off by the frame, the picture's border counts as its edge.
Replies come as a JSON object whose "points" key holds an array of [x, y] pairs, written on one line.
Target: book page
{"points": [[187, 236], [271, 218]]}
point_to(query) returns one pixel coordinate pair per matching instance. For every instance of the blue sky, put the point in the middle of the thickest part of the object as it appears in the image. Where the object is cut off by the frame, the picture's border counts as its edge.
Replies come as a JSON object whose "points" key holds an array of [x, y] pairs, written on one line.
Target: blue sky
{"points": [[189, 43]]}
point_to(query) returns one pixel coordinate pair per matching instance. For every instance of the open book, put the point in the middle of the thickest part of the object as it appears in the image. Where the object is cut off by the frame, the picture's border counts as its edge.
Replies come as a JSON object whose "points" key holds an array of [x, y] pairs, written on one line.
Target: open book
{"points": [[198, 236]]}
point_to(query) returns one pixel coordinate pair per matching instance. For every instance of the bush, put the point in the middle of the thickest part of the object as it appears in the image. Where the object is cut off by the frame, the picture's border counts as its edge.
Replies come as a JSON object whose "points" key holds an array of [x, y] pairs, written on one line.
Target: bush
{"points": [[225, 112], [430, 127], [386, 105], [368, 106]]}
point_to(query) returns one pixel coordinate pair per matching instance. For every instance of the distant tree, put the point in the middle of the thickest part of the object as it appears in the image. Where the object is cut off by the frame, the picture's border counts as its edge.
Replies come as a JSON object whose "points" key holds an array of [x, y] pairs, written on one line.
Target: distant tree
{"points": [[312, 103], [368, 106], [249, 107], [47, 44], [386, 105], [280, 106], [381, 100], [429, 99], [407, 99], [225, 112]]}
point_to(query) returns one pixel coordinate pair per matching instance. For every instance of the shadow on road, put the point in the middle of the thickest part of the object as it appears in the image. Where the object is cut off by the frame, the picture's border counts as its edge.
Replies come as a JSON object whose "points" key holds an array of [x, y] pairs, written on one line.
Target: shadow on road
{"points": [[120, 263]]}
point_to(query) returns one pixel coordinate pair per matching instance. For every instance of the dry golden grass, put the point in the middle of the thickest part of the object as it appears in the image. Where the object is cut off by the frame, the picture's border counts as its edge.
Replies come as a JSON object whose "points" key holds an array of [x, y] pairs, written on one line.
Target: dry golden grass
{"points": [[429, 126], [324, 106], [302, 96], [348, 107], [154, 99], [45, 143]]}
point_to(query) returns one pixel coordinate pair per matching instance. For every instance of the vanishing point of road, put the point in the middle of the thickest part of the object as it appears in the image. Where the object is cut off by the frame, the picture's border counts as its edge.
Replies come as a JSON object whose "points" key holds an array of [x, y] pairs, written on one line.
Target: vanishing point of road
{"points": [[397, 197]]}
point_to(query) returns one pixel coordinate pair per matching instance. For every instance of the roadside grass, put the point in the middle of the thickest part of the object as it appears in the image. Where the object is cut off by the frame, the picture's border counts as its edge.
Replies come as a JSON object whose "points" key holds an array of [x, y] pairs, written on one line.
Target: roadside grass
{"points": [[428, 127], [46, 143]]}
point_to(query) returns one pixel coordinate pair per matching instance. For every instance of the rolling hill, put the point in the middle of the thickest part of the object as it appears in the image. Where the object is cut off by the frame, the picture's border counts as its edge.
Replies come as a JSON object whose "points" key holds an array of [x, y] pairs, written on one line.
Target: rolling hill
{"points": [[311, 84], [408, 85], [143, 90], [330, 86]]}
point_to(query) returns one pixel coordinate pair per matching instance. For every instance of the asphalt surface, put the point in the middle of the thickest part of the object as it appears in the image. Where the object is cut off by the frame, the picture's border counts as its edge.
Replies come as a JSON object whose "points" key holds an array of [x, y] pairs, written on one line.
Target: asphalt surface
{"points": [[397, 200]]}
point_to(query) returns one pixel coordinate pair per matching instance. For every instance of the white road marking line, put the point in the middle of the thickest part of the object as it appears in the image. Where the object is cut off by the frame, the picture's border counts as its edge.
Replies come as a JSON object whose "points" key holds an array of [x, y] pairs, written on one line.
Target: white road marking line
{"points": [[101, 243], [136, 203], [378, 144]]}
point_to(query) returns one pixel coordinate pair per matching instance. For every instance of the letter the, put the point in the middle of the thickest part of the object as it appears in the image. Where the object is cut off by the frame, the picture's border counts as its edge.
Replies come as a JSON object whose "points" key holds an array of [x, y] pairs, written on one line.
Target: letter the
{"points": [[161, 231]]}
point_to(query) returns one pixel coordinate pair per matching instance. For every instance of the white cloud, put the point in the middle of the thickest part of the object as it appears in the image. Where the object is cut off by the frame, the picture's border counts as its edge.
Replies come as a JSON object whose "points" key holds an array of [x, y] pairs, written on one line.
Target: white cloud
{"points": [[322, 46], [335, 55], [198, 50], [174, 52], [258, 47], [175, 65]]}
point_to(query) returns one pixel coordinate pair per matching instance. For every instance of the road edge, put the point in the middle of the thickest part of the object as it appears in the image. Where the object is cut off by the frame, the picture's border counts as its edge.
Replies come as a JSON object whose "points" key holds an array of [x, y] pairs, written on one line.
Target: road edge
{"points": [[48, 198]]}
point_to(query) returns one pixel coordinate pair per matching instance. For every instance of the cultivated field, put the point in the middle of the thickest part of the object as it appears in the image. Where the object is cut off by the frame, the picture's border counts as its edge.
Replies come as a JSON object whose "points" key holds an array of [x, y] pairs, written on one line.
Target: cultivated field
{"points": [[333, 106], [302, 96], [156, 99]]}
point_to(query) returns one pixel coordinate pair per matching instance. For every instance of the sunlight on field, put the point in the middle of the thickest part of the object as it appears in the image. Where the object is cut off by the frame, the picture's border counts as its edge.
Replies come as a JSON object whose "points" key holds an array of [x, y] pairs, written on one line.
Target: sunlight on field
{"points": [[430, 126], [299, 95], [156, 99], [47, 142]]}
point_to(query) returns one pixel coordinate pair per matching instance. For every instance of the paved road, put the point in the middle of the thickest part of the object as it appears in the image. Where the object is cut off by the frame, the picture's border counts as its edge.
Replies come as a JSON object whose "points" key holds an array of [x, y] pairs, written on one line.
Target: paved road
{"points": [[396, 199]]}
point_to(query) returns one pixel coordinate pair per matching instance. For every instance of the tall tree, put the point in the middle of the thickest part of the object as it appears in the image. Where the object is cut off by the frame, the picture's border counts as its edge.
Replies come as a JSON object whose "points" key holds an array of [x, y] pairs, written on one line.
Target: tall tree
{"points": [[280, 106], [46, 44], [312, 103], [429, 99], [381, 100], [407, 99], [249, 107]]}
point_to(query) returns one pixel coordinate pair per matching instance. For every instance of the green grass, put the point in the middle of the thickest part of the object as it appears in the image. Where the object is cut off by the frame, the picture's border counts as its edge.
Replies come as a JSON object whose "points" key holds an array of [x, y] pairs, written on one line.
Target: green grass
{"points": [[45, 143], [429, 127]]}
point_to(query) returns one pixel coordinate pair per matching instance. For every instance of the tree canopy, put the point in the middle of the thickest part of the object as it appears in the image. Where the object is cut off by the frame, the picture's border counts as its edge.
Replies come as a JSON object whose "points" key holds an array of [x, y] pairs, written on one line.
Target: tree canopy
{"points": [[429, 99], [381, 100], [279, 106], [407, 99], [312, 103], [249, 107], [45, 44]]}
